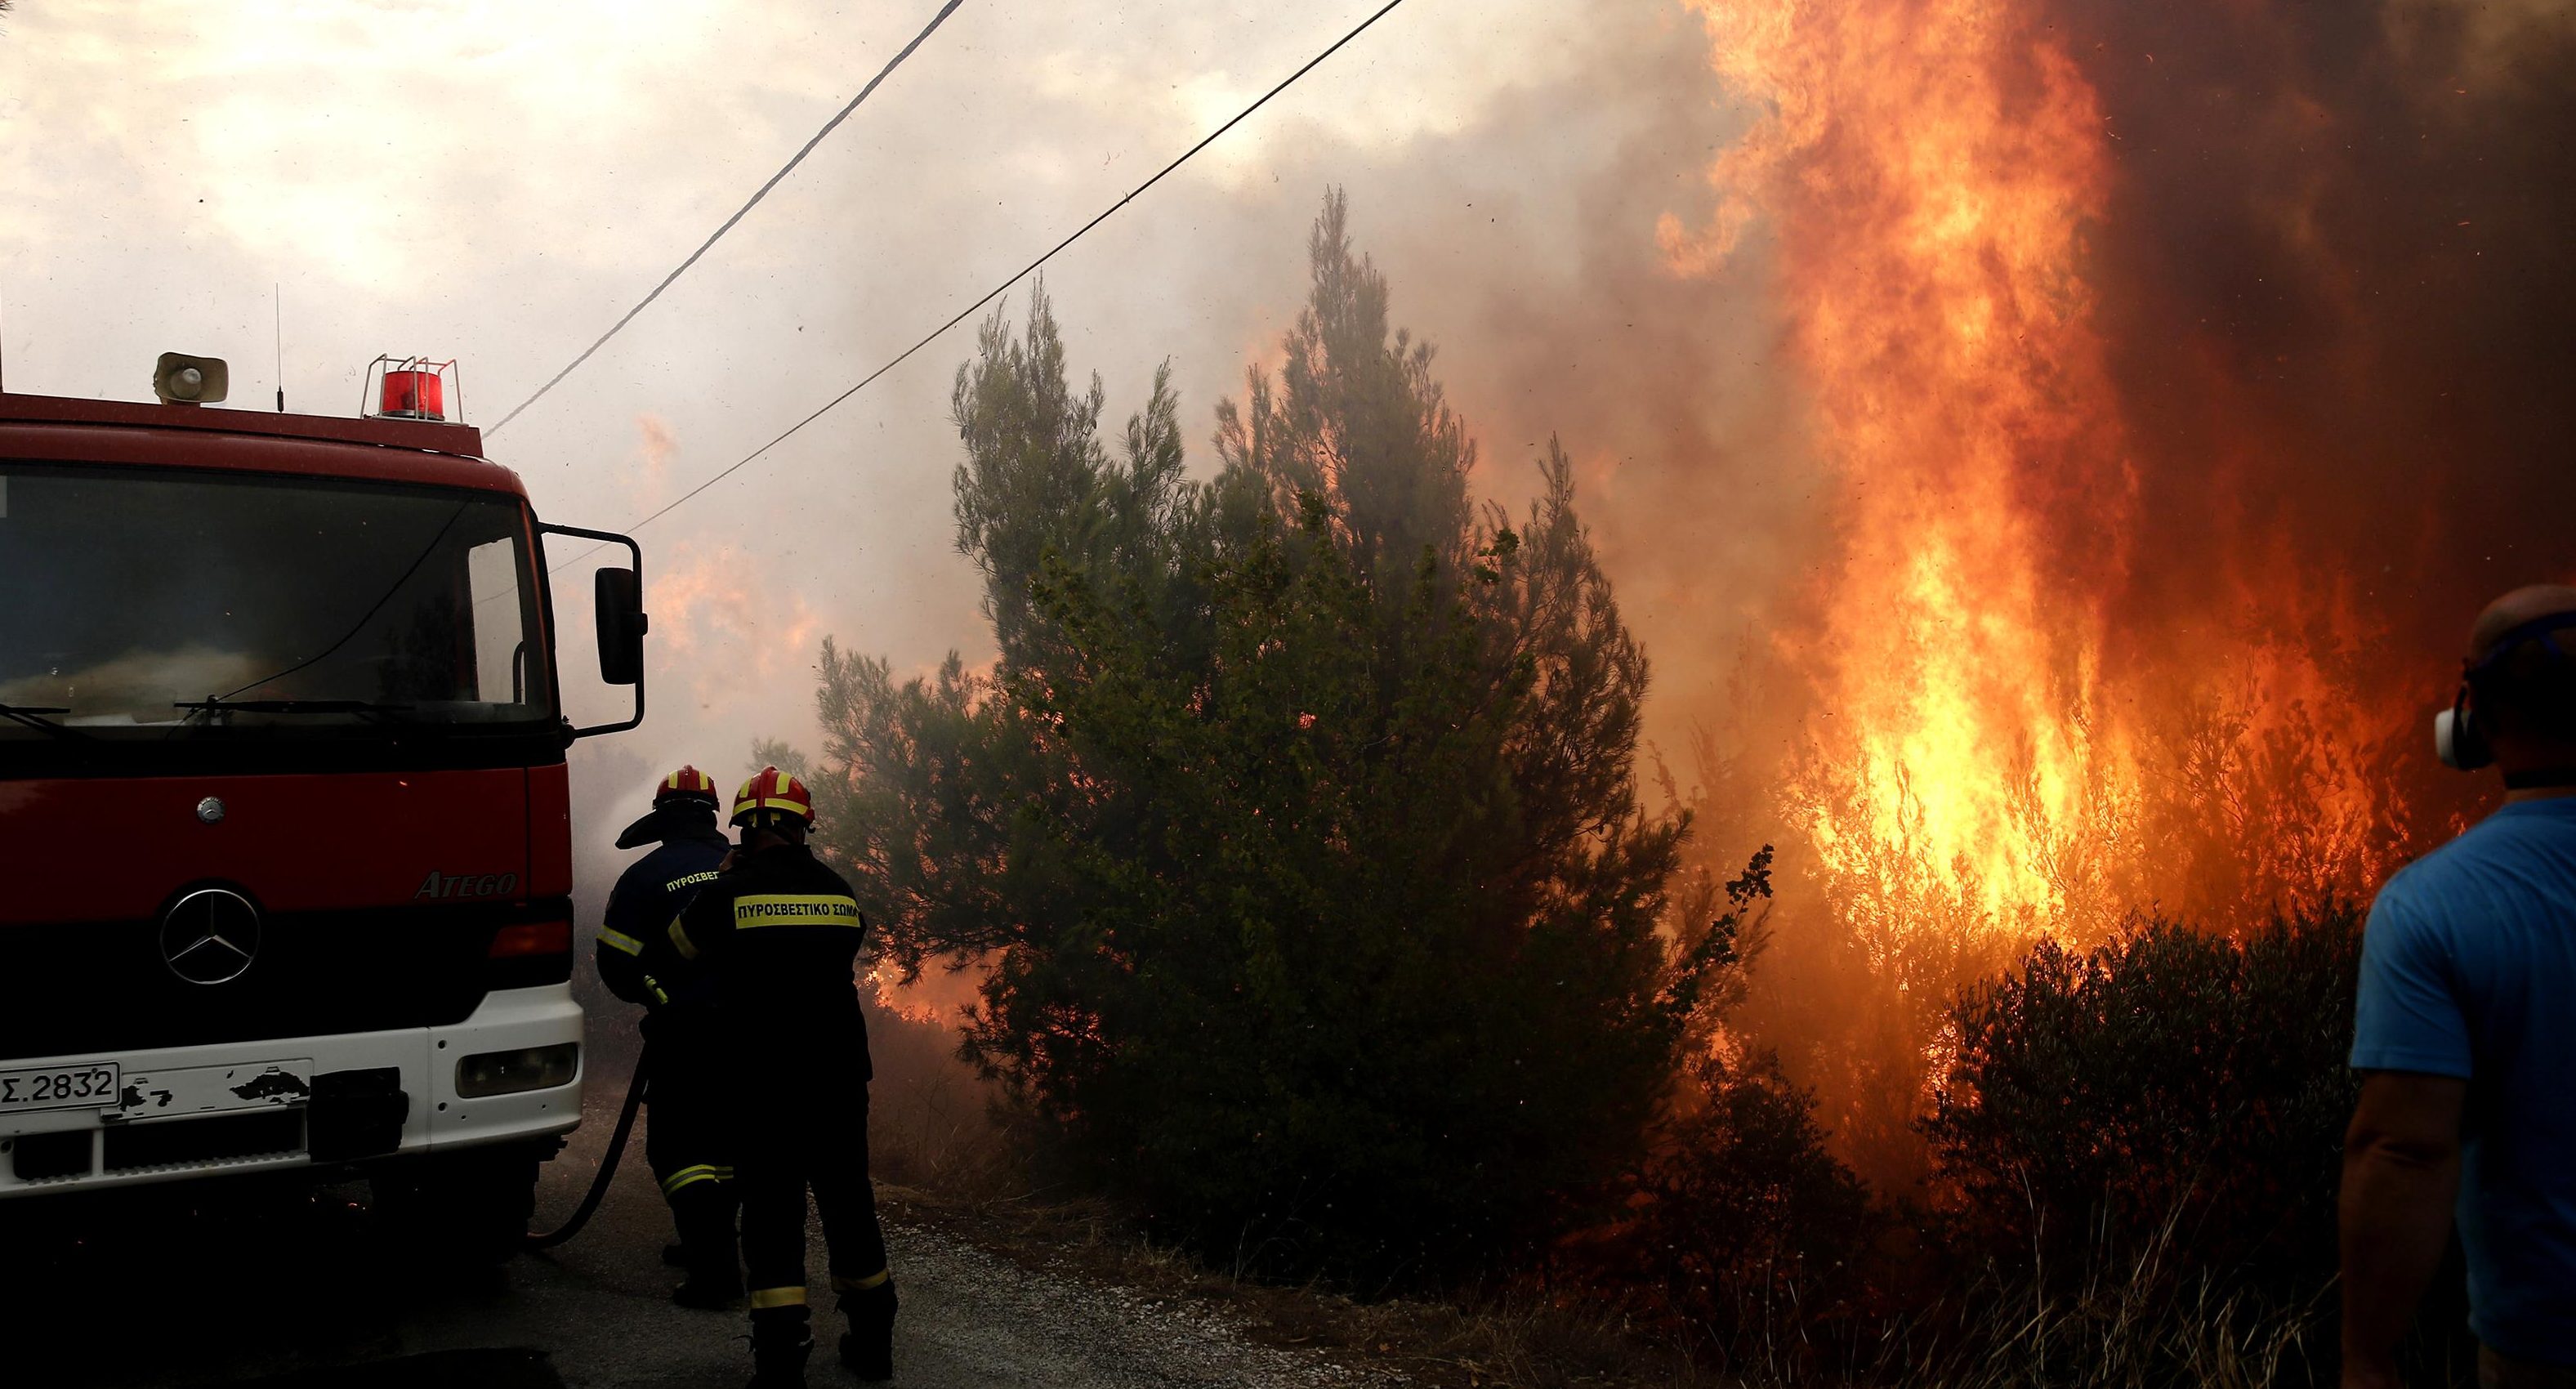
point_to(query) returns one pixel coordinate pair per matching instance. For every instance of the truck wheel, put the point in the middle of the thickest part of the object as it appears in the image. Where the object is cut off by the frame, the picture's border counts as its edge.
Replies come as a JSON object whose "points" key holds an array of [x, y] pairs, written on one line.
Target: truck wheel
{"points": [[470, 1207]]}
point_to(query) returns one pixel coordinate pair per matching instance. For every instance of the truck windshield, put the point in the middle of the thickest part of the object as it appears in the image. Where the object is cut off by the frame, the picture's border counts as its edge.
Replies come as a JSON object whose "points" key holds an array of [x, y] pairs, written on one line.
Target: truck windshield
{"points": [[147, 604]]}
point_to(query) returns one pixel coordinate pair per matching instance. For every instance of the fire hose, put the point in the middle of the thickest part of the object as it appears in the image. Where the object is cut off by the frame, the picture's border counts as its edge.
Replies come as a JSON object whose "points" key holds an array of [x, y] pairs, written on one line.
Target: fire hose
{"points": [[607, 1162]]}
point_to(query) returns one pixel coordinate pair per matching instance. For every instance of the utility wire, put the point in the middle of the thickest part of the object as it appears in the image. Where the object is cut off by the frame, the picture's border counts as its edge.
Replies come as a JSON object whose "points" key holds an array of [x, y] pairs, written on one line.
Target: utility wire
{"points": [[785, 169], [998, 290]]}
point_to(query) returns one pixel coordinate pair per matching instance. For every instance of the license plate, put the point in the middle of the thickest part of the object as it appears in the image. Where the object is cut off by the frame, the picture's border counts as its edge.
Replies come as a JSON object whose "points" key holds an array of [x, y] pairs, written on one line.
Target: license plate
{"points": [[87, 1085]]}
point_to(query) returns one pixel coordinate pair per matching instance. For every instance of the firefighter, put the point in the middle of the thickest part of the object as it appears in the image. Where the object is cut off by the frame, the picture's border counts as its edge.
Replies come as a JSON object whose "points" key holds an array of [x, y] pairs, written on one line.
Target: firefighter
{"points": [[779, 932], [688, 1140]]}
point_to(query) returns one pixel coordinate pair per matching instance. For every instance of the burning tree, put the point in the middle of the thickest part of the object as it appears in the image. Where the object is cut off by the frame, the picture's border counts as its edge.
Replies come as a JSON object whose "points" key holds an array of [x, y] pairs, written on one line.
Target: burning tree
{"points": [[1297, 817]]}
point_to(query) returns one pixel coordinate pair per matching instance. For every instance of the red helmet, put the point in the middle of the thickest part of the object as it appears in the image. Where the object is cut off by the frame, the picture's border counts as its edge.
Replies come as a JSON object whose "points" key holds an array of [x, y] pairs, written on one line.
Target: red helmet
{"points": [[686, 784], [772, 790], [685, 803]]}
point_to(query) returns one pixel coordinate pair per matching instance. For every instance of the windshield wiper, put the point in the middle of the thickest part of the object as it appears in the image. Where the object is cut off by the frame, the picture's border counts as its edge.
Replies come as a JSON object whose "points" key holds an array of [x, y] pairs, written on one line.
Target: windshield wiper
{"points": [[216, 705], [359, 626], [33, 716]]}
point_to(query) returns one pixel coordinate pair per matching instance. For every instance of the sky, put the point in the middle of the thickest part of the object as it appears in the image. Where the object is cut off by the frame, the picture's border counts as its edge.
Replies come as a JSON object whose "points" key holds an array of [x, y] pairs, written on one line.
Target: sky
{"points": [[497, 182]]}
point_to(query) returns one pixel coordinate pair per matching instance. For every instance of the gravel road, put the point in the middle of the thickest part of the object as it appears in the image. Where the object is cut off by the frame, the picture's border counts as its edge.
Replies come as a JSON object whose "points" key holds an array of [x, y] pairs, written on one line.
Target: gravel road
{"points": [[302, 1294]]}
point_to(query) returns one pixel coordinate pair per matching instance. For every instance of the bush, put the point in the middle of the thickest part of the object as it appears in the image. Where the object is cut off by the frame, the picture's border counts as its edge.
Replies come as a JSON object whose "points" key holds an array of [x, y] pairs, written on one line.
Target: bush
{"points": [[1743, 1219], [2169, 1087]]}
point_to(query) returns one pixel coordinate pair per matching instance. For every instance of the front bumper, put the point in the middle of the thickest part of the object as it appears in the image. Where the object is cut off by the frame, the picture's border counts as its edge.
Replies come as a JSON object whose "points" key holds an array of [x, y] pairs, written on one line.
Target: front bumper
{"points": [[248, 1107]]}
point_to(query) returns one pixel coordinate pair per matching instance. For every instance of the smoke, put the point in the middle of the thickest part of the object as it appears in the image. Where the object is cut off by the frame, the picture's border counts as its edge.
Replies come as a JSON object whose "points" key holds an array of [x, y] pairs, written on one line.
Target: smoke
{"points": [[2332, 271], [651, 486], [726, 626]]}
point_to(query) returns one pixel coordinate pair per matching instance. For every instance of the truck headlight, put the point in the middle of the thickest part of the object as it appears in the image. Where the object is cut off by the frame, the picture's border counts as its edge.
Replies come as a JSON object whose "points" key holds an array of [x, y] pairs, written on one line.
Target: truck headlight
{"points": [[509, 1072]]}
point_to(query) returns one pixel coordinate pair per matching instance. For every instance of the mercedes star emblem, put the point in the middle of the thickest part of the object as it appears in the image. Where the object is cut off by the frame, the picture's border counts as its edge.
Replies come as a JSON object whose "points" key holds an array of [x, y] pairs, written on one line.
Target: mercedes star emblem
{"points": [[211, 811], [210, 936]]}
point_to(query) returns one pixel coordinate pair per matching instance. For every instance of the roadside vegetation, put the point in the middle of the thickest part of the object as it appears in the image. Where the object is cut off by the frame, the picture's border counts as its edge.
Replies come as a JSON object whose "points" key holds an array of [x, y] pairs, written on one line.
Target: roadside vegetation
{"points": [[1325, 940]]}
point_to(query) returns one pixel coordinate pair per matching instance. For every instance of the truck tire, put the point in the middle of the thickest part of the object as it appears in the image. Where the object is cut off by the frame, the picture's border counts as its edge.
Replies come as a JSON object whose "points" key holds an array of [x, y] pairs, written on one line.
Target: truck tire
{"points": [[459, 1208]]}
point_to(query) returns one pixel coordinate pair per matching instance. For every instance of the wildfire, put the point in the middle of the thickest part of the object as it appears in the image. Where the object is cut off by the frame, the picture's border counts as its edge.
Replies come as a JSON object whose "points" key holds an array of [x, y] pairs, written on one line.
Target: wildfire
{"points": [[715, 624], [939, 998], [1988, 754]]}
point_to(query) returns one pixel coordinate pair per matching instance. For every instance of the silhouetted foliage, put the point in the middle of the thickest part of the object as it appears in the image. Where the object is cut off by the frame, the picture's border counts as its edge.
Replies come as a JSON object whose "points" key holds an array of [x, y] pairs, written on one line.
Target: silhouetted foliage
{"points": [[2135, 1152], [1297, 817], [2169, 1076], [1735, 1218], [1744, 1206], [1738, 1216]]}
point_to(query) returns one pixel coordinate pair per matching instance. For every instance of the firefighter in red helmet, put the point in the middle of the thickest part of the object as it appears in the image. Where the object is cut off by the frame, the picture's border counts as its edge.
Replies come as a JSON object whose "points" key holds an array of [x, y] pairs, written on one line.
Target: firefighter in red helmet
{"points": [[689, 1138], [779, 932]]}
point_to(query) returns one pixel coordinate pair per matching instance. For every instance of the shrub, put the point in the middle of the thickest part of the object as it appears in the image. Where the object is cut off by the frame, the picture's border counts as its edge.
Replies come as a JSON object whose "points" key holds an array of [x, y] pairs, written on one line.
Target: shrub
{"points": [[1743, 1216], [2167, 1081]]}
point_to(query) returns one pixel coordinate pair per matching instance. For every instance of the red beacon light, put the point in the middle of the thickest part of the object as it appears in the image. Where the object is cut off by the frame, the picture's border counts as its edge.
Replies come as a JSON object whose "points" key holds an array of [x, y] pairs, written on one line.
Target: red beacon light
{"points": [[411, 388]]}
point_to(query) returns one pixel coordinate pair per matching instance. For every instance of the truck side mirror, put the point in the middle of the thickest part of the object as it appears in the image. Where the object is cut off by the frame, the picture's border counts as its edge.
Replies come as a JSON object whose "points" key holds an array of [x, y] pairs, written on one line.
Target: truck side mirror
{"points": [[619, 602], [617, 597]]}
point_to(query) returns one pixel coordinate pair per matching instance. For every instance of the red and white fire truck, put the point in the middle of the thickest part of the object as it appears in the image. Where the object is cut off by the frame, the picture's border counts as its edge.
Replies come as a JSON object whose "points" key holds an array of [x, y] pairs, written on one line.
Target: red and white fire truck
{"points": [[285, 853]]}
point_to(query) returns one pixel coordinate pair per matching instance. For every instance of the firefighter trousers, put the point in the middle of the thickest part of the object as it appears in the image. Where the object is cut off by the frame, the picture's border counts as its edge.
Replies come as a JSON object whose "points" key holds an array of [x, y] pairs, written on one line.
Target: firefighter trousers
{"points": [[785, 1152], [688, 1141]]}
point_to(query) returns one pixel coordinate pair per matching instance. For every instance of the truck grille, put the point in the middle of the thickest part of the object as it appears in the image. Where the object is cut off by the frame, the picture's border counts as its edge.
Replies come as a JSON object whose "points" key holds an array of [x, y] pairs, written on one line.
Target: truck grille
{"points": [[183, 1142], [45, 1157], [102, 986]]}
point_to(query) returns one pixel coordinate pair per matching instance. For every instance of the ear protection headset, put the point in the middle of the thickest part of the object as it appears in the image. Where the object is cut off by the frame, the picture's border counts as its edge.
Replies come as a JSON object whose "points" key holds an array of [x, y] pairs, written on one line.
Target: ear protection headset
{"points": [[2459, 738]]}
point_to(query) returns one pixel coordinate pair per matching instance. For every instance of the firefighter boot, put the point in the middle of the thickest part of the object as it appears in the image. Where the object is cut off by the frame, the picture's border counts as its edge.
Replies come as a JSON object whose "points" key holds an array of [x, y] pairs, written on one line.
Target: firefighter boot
{"points": [[778, 1352], [705, 1214], [867, 1349]]}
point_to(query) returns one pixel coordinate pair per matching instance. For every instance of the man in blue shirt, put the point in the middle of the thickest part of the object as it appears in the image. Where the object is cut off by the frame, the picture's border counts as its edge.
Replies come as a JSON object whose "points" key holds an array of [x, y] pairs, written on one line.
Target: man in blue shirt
{"points": [[2465, 1034]]}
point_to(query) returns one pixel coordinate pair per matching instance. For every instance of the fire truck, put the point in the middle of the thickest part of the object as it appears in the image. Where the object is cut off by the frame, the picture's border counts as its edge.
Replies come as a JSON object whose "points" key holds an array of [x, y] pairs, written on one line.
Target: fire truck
{"points": [[285, 852]]}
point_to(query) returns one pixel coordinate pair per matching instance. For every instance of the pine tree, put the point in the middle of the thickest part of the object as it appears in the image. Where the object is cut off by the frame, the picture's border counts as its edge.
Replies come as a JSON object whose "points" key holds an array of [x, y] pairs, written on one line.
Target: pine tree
{"points": [[1297, 817]]}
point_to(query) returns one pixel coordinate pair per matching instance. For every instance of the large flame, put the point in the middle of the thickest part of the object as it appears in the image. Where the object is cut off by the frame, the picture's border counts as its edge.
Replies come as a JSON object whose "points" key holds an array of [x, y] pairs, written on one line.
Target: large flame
{"points": [[1992, 752]]}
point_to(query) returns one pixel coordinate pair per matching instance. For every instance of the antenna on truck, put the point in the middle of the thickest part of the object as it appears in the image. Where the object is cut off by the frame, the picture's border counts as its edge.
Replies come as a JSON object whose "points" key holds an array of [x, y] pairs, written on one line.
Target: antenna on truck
{"points": [[277, 312]]}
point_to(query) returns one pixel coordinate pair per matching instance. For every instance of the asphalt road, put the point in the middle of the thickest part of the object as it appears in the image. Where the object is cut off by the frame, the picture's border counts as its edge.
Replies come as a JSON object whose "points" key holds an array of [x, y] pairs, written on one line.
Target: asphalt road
{"points": [[285, 1290]]}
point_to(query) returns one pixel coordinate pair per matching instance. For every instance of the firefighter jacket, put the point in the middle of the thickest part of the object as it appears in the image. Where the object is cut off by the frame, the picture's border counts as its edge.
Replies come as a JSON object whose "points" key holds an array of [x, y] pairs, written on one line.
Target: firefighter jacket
{"points": [[779, 936], [636, 959]]}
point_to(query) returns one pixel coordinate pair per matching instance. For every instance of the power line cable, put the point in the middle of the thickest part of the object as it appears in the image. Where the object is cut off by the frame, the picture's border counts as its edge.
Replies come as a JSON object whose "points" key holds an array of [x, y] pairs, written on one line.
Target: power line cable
{"points": [[998, 290], [784, 169]]}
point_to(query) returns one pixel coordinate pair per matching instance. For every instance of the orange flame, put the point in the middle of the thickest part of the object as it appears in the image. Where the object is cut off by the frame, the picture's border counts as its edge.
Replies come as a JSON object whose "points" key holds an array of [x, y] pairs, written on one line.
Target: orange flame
{"points": [[1988, 755], [727, 634], [943, 998]]}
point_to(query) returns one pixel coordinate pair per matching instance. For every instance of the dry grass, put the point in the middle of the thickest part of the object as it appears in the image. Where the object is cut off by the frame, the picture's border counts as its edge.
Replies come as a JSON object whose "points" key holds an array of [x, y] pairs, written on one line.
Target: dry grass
{"points": [[2139, 1321], [2141, 1332]]}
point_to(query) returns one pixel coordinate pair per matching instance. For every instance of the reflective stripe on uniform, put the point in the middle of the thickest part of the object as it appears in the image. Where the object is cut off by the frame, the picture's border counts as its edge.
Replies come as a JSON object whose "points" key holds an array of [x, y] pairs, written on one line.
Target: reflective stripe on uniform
{"points": [[764, 1298], [619, 940], [795, 909], [690, 1176], [655, 986], [680, 939], [859, 1285]]}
